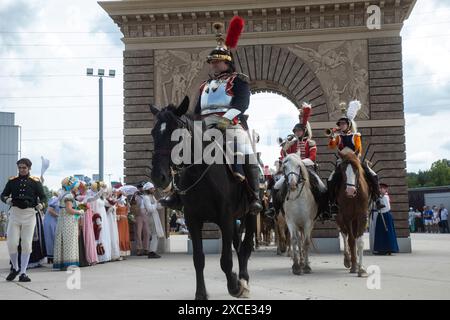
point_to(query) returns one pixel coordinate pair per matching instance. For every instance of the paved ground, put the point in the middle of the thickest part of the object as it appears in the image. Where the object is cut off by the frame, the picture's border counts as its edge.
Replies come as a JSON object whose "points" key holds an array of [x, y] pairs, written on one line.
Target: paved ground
{"points": [[424, 274]]}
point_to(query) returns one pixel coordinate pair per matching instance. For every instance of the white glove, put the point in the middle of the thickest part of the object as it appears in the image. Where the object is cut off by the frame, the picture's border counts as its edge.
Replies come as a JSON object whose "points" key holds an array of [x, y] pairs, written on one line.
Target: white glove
{"points": [[9, 201], [80, 212], [39, 207]]}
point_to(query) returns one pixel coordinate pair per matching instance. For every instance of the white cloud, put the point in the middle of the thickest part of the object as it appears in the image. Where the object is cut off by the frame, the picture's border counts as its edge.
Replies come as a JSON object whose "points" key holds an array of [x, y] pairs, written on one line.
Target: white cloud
{"points": [[426, 139], [64, 129], [271, 116], [426, 53]]}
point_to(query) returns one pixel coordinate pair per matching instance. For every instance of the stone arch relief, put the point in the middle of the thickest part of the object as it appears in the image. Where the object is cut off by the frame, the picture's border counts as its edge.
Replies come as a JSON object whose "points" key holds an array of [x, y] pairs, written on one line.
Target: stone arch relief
{"points": [[324, 74]]}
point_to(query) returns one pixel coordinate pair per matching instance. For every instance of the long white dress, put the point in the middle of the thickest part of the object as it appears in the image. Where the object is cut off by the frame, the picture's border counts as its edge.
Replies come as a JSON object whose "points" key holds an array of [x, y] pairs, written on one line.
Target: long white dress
{"points": [[156, 228], [105, 233], [114, 232]]}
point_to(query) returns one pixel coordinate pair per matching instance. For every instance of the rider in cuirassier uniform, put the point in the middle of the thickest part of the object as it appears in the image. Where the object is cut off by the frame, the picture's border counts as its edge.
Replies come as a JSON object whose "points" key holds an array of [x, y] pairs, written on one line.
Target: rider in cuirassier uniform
{"points": [[346, 135], [223, 99]]}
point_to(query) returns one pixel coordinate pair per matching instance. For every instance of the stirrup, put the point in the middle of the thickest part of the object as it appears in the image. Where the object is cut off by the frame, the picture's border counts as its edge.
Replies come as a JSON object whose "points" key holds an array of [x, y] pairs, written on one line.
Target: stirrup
{"points": [[257, 207], [334, 209]]}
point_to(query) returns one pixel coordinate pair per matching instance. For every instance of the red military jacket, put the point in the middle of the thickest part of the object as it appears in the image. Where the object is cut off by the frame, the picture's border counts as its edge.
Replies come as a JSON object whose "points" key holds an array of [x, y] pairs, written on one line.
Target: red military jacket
{"points": [[305, 148]]}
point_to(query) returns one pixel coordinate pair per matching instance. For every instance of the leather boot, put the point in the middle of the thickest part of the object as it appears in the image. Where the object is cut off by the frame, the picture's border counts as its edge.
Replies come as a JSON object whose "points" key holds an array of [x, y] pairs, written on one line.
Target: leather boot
{"points": [[332, 198], [252, 174]]}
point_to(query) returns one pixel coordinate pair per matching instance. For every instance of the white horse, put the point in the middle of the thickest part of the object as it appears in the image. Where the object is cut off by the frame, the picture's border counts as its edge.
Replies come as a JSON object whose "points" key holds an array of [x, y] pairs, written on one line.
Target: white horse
{"points": [[301, 209]]}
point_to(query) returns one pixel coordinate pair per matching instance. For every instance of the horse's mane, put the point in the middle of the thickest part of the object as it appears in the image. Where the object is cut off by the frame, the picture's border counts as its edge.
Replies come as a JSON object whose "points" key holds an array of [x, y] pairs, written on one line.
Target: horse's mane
{"points": [[168, 114], [353, 159], [355, 162]]}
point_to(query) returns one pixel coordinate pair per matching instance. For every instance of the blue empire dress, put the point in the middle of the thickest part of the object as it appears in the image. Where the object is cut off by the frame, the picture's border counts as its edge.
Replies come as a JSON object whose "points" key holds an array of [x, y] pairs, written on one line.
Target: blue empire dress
{"points": [[385, 238], [50, 223]]}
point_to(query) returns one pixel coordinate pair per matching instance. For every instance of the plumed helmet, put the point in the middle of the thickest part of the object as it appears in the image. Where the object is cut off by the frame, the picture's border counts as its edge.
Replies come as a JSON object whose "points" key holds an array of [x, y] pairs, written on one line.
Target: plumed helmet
{"points": [[222, 50]]}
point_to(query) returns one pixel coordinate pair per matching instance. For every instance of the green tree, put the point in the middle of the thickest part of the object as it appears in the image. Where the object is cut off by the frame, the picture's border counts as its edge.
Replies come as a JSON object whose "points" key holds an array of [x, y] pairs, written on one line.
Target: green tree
{"points": [[440, 172], [438, 175], [48, 193]]}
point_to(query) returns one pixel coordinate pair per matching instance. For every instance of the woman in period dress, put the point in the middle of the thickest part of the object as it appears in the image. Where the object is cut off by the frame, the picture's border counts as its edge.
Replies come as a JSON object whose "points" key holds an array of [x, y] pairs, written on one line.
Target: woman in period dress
{"points": [[110, 204], [50, 222], [98, 209], [156, 228], [383, 235], [122, 225], [90, 245], [66, 252]]}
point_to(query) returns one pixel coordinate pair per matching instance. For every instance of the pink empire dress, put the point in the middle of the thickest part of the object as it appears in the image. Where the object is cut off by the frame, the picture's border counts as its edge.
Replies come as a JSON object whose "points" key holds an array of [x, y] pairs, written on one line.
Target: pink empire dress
{"points": [[89, 237]]}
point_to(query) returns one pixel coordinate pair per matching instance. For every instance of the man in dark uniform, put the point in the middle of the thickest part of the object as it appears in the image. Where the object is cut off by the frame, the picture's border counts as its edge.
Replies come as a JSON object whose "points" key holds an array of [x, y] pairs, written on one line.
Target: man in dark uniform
{"points": [[222, 101], [25, 194]]}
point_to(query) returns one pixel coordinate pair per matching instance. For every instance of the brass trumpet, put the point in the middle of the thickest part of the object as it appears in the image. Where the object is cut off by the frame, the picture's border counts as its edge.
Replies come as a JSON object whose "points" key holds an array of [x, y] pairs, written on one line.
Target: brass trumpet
{"points": [[331, 132]]}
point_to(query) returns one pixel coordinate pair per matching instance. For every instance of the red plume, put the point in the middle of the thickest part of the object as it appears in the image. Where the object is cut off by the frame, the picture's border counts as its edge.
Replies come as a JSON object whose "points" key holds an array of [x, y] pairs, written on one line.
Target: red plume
{"points": [[306, 113], [234, 32]]}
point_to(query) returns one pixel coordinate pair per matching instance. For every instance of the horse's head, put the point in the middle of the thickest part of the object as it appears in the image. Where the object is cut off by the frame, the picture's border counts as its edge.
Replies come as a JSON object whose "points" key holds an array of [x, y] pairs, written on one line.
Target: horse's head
{"points": [[351, 170], [167, 121], [294, 171]]}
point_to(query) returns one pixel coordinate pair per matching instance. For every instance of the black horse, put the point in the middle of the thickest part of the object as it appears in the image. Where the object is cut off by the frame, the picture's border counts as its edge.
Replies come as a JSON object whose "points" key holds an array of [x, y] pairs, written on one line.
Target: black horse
{"points": [[209, 193]]}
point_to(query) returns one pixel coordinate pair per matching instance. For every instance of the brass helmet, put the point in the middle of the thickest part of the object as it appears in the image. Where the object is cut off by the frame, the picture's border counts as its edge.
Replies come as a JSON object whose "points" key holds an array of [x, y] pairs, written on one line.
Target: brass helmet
{"points": [[222, 51]]}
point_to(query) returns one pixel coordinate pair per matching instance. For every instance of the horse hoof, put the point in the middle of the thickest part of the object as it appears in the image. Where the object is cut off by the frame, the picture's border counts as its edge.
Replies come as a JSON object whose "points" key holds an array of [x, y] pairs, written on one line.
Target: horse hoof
{"points": [[297, 270], [245, 294], [353, 270], [307, 269], [347, 263], [362, 273], [201, 296]]}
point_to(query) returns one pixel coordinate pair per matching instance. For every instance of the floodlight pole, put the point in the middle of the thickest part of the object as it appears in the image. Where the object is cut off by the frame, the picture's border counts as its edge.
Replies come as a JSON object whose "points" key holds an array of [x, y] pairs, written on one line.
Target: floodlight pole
{"points": [[100, 75], [100, 135]]}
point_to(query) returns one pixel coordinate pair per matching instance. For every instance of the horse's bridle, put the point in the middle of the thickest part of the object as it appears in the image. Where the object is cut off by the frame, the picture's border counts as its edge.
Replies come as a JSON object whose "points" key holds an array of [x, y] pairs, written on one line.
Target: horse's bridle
{"points": [[299, 180], [177, 170]]}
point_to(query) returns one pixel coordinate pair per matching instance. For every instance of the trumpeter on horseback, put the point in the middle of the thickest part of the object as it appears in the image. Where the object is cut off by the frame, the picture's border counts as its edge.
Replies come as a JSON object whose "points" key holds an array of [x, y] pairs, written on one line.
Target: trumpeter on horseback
{"points": [[302, 144], [346, 135], [301, 140]]}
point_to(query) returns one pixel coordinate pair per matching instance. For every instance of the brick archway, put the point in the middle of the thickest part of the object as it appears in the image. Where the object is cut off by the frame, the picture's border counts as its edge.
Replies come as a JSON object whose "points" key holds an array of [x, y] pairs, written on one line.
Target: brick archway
{"points": [[277, 69], [320, 51]]}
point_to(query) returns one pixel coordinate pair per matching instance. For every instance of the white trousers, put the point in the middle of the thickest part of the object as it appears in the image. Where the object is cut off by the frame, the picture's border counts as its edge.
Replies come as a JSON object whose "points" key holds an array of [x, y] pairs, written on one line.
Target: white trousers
{"points": [[21, 227], [235, 132]]}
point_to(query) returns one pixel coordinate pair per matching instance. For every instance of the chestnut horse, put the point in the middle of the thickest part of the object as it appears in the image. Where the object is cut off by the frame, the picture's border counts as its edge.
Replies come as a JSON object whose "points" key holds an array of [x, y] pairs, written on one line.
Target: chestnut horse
{"points": [[353, 199]]}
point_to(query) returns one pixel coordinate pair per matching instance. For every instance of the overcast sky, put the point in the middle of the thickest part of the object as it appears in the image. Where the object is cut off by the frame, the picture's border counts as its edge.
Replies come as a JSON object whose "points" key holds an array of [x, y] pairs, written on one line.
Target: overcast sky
{"points": [[46, 45]]}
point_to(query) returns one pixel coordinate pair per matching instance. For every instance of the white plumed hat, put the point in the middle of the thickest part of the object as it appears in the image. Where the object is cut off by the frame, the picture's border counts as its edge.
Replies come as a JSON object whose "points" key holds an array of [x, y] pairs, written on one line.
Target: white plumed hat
{"points": [[353, 109]]}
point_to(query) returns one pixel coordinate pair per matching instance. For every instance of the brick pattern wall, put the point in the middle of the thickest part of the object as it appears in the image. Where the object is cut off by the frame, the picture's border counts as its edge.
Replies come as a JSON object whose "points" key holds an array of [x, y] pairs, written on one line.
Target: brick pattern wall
{"points": [[386, 146], [138, 120]]}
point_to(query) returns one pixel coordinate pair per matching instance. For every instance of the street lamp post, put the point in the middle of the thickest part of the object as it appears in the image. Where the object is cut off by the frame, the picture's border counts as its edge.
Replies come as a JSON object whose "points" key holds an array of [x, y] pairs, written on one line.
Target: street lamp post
{"points": [[100, 75]]}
